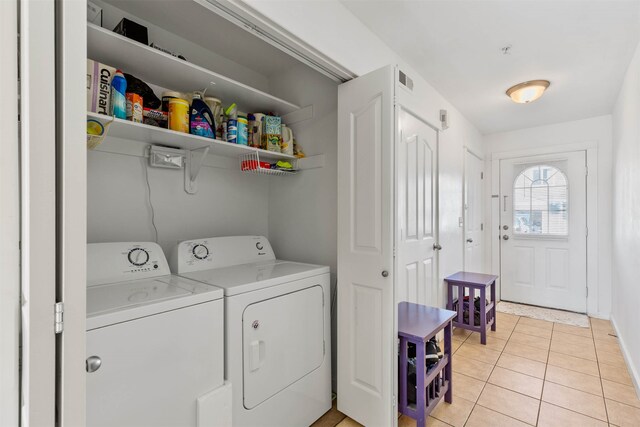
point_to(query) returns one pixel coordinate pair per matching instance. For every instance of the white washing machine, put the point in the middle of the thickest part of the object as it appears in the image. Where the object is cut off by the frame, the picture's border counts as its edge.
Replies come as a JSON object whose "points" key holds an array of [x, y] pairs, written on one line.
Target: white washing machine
{"points": [[277, 328], [155, 342]]}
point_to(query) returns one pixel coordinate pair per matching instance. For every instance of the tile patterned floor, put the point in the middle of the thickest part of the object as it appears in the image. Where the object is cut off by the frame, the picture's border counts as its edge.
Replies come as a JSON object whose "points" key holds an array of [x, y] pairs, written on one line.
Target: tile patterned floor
{"points": [[533, 373]]}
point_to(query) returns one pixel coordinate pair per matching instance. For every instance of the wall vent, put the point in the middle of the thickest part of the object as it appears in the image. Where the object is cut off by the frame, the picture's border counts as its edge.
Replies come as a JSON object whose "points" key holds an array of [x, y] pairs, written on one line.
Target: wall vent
{"points": [[405, 80]]}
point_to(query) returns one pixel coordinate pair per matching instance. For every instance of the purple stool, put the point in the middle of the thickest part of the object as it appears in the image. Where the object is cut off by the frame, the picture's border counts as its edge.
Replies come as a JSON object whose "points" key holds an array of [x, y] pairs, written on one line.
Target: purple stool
{"points": [[417, 324], [467, 284]]}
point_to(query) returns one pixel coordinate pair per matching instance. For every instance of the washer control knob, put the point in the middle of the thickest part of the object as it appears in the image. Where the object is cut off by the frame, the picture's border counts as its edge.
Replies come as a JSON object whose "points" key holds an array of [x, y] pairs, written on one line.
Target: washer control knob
{"points": [[255, 324], [259, 246]]}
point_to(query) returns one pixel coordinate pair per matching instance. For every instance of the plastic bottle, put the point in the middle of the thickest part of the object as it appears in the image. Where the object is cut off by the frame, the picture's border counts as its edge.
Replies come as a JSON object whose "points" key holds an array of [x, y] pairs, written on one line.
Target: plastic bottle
{"points": [[243, 125], [201, 119], [232, 124], [118, 96]]}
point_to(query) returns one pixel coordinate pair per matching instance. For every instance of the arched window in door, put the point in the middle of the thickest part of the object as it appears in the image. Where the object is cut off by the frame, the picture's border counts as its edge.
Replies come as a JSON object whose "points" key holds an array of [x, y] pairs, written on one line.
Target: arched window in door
{"points": [[540, 202]]}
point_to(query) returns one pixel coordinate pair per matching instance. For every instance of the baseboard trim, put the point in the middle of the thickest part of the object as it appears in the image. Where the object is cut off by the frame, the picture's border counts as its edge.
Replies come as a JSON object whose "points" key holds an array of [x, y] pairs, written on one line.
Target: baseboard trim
{"points": [[625, 353]]}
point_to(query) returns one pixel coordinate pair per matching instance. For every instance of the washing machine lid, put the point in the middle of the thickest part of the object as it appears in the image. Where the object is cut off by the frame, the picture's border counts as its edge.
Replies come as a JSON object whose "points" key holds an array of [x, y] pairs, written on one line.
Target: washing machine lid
{"points": [[243, 278], [112, 303]]}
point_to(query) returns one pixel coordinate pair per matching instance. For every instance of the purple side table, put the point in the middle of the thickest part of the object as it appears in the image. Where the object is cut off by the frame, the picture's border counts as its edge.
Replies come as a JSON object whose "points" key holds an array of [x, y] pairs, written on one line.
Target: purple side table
{"points": [[417, 324], [471, 282]]}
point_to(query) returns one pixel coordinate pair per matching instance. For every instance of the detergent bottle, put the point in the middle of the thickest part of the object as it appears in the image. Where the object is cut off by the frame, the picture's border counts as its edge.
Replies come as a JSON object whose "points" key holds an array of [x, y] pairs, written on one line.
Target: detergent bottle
{"points": [[201, 120], [118, 96]]}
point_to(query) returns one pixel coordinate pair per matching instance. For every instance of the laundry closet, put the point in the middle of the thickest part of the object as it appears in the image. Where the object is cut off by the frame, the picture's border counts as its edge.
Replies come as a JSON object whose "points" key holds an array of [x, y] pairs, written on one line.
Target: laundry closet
{"points": [[153, 190]]}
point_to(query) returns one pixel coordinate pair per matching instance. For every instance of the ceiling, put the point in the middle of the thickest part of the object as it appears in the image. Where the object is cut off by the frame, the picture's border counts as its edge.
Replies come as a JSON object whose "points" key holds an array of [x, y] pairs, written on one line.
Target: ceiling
{"points": [[583, 47]]}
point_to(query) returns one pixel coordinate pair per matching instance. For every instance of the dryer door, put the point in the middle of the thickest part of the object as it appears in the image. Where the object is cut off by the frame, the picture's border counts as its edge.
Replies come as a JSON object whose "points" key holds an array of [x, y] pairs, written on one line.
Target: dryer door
{"points": [[283, 340]]}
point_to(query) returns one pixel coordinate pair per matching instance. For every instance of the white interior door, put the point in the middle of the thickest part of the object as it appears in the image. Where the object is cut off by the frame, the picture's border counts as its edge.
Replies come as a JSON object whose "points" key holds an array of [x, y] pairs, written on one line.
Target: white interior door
{"points": [[416, 192], [366, 309], [473, 210], [544, 231]]}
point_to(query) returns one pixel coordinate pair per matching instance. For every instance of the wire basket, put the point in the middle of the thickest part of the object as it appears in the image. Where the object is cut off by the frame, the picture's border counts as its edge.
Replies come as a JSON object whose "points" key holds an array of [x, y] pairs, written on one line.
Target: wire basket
{"points": [[251, 163], [93, 141]]}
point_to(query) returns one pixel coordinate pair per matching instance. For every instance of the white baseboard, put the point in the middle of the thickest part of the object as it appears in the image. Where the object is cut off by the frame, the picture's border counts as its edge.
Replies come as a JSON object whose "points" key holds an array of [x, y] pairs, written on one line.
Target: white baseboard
{"points": [[635, 377]]}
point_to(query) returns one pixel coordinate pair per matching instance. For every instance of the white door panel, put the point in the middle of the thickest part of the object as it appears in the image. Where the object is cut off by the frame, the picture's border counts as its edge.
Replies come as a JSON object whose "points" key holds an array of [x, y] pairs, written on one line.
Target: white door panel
{"points": [[473, 212], [415, 166], [543, 230], [366, 342]]}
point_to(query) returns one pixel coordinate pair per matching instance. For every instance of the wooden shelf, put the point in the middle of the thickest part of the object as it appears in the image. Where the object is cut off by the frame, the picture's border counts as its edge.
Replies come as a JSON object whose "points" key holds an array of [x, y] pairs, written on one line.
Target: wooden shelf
{"points": [[161, 69], [125, 129]]}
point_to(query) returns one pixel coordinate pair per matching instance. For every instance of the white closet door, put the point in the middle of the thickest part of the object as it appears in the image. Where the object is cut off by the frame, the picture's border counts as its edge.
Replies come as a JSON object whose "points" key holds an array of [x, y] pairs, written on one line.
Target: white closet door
{"points": [[416, 195], [473, 210], [366, 308]]}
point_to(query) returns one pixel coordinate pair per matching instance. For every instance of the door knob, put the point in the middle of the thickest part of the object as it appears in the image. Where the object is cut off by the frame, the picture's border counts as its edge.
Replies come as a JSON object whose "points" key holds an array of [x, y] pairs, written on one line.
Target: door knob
{"points": [[469, 240], [93, 363], [436, 247], [385, 273], [505, 227], [505, 237]]}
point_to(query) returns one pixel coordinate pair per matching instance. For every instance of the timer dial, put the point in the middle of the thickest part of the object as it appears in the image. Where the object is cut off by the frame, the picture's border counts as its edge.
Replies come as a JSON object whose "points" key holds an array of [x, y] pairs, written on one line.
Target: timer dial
{"points": [[138, 256], [200, 251]]}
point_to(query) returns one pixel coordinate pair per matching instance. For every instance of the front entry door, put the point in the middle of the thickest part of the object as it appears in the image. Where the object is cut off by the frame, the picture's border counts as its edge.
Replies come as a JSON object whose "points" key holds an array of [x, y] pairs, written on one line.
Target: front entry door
{"points": [[416, 180], [543, 230]]}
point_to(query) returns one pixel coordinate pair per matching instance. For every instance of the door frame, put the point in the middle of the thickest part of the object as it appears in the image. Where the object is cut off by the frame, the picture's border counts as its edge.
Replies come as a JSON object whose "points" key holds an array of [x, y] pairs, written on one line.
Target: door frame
{"points": [[9, 219], [591, 148], [466, 149]]}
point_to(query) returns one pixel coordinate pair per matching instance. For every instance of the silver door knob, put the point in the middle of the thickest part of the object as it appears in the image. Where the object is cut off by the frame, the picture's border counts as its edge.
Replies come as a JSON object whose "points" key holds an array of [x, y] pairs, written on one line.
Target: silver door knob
{"points": [[93, 363], [385, 273], [505, 237], [469, 240], [436, 247]]}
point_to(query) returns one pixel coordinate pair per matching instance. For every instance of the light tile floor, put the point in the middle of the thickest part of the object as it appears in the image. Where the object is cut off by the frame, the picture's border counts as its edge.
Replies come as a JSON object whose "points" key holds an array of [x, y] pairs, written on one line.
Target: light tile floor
{"points": [[533, 372]]}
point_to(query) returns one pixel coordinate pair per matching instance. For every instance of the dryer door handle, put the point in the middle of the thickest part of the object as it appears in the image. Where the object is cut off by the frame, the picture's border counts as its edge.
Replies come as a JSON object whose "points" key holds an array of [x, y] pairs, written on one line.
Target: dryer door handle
{"points": [[256, 355]]}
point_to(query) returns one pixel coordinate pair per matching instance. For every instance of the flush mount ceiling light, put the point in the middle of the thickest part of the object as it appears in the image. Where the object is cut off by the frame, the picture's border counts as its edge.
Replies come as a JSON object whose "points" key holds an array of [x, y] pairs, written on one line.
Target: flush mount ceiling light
{"points": [[526, 92]]}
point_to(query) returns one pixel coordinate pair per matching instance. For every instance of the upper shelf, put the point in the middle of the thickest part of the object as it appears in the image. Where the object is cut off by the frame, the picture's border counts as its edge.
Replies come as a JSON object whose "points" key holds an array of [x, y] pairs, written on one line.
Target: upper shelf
{"points": [[158, 68], [158, 136]]}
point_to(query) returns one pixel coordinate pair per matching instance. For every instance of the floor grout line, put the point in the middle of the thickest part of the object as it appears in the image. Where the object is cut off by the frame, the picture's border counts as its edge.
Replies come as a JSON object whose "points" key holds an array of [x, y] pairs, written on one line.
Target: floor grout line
{"points": [[604, 399]]}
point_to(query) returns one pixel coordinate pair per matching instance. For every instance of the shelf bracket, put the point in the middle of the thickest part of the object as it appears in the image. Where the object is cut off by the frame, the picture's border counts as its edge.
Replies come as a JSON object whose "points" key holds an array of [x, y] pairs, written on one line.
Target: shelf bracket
{"points": [[193, 163]]}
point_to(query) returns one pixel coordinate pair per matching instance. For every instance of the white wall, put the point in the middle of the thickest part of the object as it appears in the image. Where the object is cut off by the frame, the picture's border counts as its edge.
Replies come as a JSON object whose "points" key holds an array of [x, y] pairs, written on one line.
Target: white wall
{"points": [[626, 211], [593, 132], [228, 202]]}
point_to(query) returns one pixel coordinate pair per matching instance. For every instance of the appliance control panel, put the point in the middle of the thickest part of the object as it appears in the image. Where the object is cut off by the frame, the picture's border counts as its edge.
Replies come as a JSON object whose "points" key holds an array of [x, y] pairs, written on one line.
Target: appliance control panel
{"points": [[217, 252], [123, 261]]}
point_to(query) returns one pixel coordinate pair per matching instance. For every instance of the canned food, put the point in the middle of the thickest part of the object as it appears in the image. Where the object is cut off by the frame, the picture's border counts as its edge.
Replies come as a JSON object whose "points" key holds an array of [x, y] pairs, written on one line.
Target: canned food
{"points": [[179, 115]]}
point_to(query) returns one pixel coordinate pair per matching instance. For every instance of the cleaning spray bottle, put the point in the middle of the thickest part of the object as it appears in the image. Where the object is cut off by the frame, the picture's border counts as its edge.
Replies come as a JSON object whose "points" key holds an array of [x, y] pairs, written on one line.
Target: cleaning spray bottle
{"points": [[118, 96], [201, 120]]}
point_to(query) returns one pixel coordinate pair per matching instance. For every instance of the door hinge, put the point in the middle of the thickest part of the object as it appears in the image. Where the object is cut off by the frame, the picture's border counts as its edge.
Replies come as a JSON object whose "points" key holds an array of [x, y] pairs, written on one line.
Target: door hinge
{"points": [[394, 400], [481, 226], [481, 175], [586, 231], [587, 290], [324, 348], [58, 317], [586, 170], [323, 299]]}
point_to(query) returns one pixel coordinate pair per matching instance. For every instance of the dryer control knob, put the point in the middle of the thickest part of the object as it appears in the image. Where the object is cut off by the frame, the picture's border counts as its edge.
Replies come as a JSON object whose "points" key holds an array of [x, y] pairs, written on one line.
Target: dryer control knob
{"points": [[259, 246], [255, 324]]}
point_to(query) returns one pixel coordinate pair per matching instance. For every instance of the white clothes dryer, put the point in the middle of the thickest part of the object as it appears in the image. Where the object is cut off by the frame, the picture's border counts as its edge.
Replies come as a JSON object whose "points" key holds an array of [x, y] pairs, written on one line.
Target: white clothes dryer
{"points": [[155, 342], [277, 328]]}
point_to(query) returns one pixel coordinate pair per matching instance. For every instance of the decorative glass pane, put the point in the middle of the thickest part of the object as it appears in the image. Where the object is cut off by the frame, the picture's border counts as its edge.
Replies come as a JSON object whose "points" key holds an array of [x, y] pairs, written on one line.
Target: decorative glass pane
{"points": [[540, 202]]}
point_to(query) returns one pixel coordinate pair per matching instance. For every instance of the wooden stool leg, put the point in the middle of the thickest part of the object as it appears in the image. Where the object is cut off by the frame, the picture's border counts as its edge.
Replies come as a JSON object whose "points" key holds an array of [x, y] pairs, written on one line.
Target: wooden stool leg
{"points": [[420, 385], [493, 299], [403, 368], [483, 316], [448, 397]]}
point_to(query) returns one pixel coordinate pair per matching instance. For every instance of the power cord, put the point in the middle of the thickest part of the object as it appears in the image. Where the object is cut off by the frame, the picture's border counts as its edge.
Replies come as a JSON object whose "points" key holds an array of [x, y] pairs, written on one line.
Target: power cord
{"points": [[145, 165]]}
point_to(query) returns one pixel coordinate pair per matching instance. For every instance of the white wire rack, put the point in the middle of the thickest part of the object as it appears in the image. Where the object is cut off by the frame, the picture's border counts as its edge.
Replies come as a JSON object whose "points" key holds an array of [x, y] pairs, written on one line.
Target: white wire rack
{"points": [[252, 163]]}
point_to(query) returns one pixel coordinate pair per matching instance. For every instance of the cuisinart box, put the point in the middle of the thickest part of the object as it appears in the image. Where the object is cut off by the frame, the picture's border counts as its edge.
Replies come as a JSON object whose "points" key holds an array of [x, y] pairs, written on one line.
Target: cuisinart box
{"points": [[99, 78]]}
